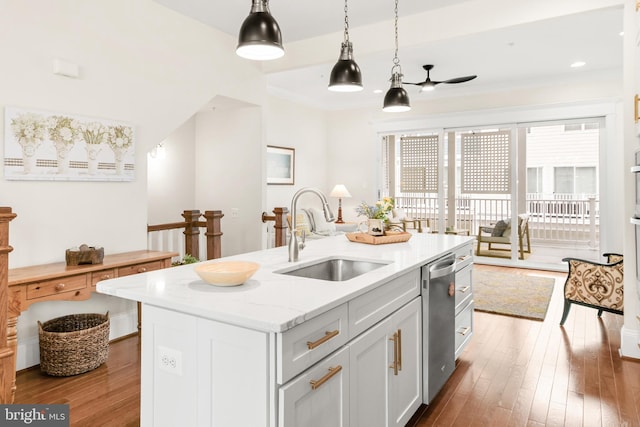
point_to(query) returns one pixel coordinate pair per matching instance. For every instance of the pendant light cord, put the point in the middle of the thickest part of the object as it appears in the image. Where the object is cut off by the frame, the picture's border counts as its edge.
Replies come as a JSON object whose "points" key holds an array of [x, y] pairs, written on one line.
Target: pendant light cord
{"points": [[346, 23], [396, 60]]}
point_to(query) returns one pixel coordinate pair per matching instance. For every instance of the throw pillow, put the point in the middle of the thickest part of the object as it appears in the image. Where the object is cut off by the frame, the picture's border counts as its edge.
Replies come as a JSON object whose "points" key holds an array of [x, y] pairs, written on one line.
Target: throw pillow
{"points": [[322, 226], [499, 228], [302, 224]]}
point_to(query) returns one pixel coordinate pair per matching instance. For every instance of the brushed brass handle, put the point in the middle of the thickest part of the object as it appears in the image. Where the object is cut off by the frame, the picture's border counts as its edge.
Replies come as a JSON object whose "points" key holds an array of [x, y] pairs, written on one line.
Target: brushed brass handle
{"points": [[394, 365], [59, 287], [332, 371], [142, 269], [465, 331], [636, 99], [464, 290], [327, 336], [463, 258], [399, 349]]}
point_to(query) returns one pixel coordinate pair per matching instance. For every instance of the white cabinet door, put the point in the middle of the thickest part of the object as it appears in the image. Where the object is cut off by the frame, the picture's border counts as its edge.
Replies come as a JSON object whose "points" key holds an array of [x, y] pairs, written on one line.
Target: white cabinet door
{"points": [[370, 357], [319, 397], [405, 393], [386, 369]]}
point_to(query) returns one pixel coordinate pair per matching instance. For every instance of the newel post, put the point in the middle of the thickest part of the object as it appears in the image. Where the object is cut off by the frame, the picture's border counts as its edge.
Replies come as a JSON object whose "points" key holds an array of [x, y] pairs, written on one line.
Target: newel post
{"points": [[281, 225], [8, 321], [191, 232], [214, 234]]}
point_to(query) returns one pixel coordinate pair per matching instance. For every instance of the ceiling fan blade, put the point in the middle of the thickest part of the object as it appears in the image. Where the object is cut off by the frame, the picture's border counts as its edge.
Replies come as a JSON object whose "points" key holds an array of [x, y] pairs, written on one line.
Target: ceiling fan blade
{"points": [[458, 79], [417, 84]]}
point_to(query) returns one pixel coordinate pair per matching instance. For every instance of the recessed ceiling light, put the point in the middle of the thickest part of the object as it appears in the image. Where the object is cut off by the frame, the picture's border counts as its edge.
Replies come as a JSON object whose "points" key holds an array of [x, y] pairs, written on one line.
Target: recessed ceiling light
{"points": [[621, 33], [377, 91], [578, 64]]}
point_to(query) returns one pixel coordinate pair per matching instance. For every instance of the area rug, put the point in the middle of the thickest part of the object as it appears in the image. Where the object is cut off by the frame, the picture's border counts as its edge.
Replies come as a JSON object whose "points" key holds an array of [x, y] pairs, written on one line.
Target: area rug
{"points": [[512, 294]]}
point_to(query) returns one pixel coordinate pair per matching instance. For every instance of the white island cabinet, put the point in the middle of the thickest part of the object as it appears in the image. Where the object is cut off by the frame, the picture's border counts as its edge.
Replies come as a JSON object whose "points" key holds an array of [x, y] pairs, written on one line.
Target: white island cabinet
{"points": [[286, 351]]}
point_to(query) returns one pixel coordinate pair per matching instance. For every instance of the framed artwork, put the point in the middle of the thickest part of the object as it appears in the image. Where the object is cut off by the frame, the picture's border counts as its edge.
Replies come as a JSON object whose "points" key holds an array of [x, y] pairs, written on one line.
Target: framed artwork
{"points": [[281, 162], [48, 146]]}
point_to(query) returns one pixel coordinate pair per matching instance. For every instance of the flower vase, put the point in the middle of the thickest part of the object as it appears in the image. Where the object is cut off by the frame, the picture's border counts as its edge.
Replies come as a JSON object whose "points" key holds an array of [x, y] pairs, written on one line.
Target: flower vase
{"points": [[119, 153], [372, 226], [62, 150], [92, 158], [29, 155]]}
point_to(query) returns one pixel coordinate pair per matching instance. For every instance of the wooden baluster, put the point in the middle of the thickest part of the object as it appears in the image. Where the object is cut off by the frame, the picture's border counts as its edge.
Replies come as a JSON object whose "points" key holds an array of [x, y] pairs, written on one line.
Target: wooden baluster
{"points": [[8, 338], [191, 232], [214, 234]]}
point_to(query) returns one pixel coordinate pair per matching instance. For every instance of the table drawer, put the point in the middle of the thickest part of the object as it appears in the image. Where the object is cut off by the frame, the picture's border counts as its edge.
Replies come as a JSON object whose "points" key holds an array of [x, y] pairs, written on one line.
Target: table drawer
{"points": [[139, 268], [302, 346], [97, 276], [464, 328], [57, 286]]}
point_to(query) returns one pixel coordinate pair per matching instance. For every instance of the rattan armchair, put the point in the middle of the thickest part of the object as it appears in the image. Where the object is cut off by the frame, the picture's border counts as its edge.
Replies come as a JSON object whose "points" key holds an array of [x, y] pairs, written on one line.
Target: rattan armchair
{"points": [[595, 285]]}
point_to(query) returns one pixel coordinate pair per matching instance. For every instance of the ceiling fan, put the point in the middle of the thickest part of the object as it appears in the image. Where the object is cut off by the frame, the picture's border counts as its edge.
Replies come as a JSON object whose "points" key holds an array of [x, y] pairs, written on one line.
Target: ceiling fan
{"points": [[429, 84]]}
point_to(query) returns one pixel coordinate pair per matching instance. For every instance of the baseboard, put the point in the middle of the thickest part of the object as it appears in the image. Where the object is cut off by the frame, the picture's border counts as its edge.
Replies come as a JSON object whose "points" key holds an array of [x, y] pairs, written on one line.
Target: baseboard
{"points": [[120, 325], [630, 343]]}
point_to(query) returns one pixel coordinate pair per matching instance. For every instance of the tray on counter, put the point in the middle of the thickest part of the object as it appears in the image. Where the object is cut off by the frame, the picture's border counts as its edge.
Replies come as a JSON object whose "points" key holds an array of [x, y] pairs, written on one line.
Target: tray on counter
{"points": [[389, 237]]}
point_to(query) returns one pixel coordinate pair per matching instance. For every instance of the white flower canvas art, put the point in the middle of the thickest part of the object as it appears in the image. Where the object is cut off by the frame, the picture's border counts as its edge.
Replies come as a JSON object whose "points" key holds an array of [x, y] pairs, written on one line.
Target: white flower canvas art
{"points": [[43, 145]]}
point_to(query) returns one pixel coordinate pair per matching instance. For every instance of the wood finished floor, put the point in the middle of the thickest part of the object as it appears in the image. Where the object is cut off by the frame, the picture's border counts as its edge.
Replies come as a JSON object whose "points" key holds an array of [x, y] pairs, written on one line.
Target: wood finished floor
{"points": [[515, 372]]}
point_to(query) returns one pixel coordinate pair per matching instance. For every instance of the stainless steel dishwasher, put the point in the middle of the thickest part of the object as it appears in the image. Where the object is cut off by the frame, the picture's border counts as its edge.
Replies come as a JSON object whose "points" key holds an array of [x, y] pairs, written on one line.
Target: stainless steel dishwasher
{"points": [[438, 327]]}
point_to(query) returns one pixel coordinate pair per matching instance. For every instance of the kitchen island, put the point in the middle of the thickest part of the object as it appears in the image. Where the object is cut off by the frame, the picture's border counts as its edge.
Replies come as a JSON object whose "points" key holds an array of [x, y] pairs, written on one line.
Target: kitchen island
{"points": [[282, 350]]}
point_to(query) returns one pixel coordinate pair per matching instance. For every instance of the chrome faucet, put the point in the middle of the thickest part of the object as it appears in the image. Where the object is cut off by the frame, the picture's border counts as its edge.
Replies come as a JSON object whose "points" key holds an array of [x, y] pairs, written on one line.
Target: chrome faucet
{"points": [[294, 246]]}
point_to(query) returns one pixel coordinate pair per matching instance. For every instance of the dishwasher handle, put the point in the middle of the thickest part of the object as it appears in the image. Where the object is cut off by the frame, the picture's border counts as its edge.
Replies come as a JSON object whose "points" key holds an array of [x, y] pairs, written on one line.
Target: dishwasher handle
{"points": [[442, 268]]}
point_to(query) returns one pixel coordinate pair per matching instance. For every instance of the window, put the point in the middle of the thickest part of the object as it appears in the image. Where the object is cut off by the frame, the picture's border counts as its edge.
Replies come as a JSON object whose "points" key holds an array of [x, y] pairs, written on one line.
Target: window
{"points": [[578, 180], [534, 180]]}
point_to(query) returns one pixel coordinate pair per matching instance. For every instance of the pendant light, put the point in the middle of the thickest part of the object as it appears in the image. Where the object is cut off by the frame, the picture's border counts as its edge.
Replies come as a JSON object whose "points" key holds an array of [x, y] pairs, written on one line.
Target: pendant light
{"points": [[396, 100], [345, 75], [260, 37]]}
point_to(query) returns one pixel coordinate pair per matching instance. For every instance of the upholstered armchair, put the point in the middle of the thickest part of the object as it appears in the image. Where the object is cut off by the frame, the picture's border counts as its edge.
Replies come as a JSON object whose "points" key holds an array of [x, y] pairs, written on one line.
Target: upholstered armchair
{"points": [[595, 285], [500, 234]]}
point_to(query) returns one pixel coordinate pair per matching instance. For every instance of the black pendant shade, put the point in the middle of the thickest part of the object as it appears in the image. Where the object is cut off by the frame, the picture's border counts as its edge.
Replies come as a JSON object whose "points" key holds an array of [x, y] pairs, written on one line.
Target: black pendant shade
{"points": [[260, 38], [396, 100], [346, 75]]}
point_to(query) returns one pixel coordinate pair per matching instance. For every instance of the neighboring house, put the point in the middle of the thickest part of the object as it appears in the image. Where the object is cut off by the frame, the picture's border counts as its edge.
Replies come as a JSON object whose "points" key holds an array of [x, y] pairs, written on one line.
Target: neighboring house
{"points": [[146, 65]]}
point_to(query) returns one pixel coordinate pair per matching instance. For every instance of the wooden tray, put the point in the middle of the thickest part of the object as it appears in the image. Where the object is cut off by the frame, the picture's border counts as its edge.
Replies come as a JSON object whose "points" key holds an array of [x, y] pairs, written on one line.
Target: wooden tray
{"points": [[390, 237]]}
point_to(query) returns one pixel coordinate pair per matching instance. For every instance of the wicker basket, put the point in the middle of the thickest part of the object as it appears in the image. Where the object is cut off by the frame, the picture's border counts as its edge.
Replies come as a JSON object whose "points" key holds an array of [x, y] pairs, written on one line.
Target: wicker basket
{"points": [[73, 344]]}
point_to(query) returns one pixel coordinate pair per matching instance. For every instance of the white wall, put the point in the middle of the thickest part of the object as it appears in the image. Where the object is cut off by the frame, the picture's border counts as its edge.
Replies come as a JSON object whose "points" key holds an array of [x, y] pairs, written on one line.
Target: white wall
{"points": [[139, 63], [305, 129], [171, 181], [228, 168]]}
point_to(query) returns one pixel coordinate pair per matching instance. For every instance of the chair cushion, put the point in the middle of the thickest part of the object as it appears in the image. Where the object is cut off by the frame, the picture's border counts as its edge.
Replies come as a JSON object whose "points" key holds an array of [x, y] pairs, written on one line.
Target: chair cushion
{"points": [[499, 229], [399, 215], [303, 223]]}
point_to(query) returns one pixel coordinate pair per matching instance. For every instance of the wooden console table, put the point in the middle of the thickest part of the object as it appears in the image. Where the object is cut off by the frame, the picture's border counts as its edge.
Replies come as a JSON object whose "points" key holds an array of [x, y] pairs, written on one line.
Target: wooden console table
{"points": [[57, 281]]}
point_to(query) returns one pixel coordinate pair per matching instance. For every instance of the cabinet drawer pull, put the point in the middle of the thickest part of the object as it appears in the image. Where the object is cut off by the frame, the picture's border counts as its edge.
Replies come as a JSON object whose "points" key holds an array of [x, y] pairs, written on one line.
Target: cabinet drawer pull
{"points": [[463, 258], [394, 365], [142, 269], [636, 99], [464, 290], [59, 287], [328, 335], [332, 371], [465, 330], [399, 349]]}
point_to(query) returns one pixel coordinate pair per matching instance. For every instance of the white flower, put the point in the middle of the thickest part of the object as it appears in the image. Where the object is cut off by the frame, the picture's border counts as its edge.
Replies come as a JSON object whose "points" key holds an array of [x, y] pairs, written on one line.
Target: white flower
{"points": [[63, 130], [29, 128]]}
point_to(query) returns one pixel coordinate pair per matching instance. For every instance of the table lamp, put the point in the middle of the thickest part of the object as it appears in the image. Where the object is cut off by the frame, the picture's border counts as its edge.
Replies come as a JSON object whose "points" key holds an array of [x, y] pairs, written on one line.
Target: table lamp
{"points": [[339, 191]]}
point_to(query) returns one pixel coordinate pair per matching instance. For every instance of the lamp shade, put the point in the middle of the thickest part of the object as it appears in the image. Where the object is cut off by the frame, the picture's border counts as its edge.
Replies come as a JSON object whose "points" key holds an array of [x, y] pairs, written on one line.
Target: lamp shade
{"points": [[260, 38], [396, 100], [340, 191], [345, 75]]}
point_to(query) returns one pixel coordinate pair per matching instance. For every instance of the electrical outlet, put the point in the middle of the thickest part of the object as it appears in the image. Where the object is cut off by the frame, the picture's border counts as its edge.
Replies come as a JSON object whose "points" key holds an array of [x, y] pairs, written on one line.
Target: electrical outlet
{"points": [[235, 213], [170, 360]]}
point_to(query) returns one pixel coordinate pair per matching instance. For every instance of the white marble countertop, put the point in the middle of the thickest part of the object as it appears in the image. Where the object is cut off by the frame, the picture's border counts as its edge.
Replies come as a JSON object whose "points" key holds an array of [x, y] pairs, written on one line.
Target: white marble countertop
{"points": [[276, 302]]}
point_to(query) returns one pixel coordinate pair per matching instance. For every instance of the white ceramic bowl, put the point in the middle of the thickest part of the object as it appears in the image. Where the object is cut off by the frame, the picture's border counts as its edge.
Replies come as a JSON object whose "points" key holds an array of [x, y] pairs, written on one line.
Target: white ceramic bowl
{"points": [[226, 273]]}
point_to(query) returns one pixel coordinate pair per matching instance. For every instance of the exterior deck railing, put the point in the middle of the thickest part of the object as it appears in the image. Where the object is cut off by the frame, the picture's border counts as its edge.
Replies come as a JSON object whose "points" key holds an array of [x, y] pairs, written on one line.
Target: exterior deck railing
{"points": [[559, 221]]}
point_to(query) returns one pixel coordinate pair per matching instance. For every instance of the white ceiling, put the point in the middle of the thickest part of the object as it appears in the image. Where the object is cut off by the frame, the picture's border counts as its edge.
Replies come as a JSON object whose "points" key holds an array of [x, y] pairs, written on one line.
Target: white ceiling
{"points": [[518, 56]]}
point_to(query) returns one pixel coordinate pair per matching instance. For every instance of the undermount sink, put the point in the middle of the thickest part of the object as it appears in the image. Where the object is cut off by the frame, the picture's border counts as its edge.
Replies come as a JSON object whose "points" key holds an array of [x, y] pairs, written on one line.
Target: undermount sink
{"points": [[334, 269]]}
